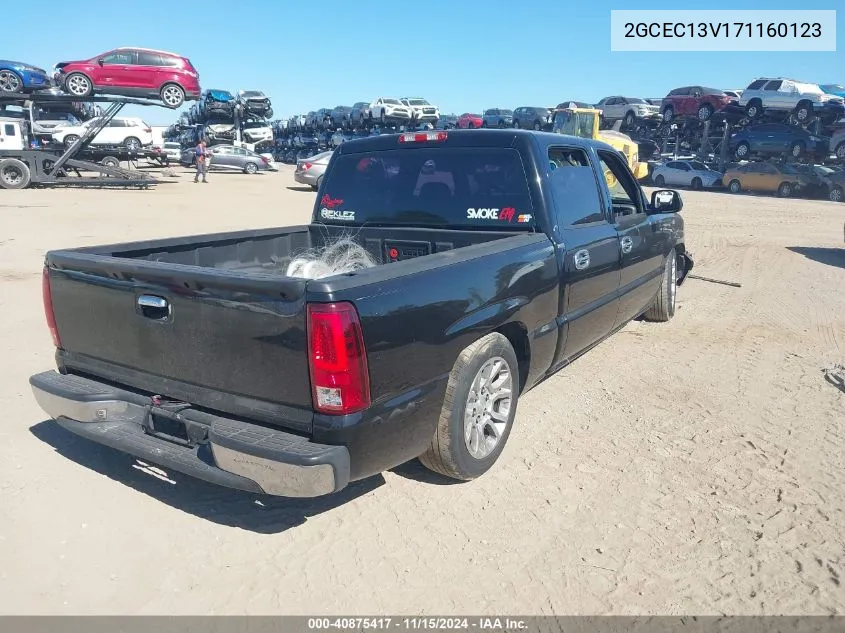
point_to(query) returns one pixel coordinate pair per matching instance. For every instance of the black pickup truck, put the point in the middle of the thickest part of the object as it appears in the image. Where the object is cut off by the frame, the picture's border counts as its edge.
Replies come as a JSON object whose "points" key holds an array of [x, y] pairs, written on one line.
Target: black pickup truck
{"points": [[502, 256]]}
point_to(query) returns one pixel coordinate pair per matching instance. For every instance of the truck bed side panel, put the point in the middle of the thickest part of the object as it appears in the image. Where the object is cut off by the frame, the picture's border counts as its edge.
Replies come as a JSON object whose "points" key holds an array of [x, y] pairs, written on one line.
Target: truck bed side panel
{"points": [[416, 323]]}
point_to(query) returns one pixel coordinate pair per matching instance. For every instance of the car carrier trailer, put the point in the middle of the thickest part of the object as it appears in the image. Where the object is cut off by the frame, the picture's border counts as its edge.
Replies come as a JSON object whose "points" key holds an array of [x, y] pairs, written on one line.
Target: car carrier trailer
{"points": [[22, 166]]}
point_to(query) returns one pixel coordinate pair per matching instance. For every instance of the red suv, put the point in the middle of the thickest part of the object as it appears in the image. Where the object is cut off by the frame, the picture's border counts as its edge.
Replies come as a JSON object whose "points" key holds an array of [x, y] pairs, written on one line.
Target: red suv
{"points": [[469, 120], [693, 101], [133, 72]]}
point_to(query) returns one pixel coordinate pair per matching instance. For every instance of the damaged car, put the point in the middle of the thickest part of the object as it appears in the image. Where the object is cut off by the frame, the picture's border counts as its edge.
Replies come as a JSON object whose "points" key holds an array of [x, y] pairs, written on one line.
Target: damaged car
{"points": [[255, 102]]}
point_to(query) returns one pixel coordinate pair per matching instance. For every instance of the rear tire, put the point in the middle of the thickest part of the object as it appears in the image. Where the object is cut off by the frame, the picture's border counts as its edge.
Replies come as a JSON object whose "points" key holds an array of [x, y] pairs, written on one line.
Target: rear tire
{"points": [[663, 307], [70, 139], [10, 82], [734, 186], [110, 161], [696, 184], [668, 114], [785, 190], [250, 168], [14, 174], [132, 143], [660, 181], [836, 194], [449, 453], [172, 95]]}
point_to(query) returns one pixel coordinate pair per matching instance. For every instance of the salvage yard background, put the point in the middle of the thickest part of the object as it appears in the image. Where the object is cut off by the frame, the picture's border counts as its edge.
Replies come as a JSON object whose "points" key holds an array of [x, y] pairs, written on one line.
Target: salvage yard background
{"points": [[689, 467]]}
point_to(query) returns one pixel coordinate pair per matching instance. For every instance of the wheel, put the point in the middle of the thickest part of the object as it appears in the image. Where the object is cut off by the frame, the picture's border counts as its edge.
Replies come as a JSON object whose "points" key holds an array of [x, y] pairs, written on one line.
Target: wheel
{"points": [[382, 117], [668, 113], [110, 161], [630, 119], [754, 108], [836, 194], [484, 124], [14, 174], [538, 126], [660, 181], [515, 123], [705, 112], [79, 85], [10, 82], [734, 186], [742, 150], [132, 144], [840, 150], [696, 184], [785, 190], [797, 149], [251, 168], [478, 410], [663, 307], [470, 125], [172, 95], [804, 112], [70, 139]]}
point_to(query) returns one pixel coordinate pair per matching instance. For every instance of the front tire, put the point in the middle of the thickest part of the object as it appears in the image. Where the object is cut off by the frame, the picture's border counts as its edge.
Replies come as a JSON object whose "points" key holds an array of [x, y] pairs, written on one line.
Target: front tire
{"points": [[478, 410], [797, 149], [840, 150], [705, 112], [79, 85], [630, 119], [660, 181], [70, 139], [785, 190], [132, 144], [668, 114], [836, 194], [14, 174], [696, 184], [734, 186], [742, 150], [663, 307]]}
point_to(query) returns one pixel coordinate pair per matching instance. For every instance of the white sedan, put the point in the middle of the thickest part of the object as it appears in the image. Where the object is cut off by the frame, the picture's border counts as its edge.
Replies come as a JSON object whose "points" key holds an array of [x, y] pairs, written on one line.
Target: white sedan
{"points": [[686, 173]]}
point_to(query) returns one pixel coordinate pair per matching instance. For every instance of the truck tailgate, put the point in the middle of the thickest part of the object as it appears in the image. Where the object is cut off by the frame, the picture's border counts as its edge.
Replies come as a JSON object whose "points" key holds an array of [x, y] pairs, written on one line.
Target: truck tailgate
{"points": [[224, 340]]}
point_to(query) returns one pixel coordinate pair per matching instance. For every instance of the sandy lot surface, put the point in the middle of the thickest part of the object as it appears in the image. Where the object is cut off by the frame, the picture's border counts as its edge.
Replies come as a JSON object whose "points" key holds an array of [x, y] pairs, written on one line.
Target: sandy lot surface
{"points": [[694, 467]]}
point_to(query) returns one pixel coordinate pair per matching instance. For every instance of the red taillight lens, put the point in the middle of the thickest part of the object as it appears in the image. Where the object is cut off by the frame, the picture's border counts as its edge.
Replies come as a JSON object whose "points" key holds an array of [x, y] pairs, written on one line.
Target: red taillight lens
{"points": [[422, 137], [47, 297], [306, 166], [340, 381]]}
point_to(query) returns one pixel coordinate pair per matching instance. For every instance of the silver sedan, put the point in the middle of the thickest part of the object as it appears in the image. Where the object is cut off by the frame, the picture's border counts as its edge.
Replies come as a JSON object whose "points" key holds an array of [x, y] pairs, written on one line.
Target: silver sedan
{"points": [[309, 171], [686, 173]]}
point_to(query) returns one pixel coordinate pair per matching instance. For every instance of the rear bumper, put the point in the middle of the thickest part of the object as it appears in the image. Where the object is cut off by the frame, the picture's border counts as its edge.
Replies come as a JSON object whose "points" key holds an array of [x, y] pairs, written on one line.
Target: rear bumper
{"points": [[305, 177], [220, 450]]}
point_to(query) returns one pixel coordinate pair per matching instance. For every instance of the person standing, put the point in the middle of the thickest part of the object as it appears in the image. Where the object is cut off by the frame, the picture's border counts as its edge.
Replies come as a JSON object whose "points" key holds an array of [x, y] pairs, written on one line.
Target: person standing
{"points": [[199, 158]]}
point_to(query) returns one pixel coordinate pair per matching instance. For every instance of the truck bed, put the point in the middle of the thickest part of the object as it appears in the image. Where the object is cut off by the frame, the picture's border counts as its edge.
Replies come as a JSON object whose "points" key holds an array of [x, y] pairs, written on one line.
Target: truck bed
{"points": [[232, 338]]}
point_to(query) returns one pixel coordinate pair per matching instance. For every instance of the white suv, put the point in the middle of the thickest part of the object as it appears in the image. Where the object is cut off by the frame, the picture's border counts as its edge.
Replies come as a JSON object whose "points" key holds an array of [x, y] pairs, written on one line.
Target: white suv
{"points": [[421, 110], [131, 132], [387, 109], [804, 100]]}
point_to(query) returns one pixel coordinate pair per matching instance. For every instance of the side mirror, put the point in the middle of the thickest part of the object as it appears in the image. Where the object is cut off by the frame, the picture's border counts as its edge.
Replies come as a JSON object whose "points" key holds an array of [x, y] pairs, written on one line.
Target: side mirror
{"points": [[666, 201], [100, 61]]}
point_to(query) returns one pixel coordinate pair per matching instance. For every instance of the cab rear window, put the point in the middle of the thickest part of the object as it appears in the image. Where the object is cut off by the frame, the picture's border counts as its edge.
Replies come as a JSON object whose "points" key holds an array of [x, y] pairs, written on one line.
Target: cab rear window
{"points": [[445, 186]]}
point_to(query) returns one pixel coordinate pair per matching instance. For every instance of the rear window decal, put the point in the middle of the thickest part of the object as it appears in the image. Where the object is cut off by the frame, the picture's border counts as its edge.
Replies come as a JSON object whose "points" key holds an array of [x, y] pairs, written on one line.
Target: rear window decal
{"points": [[330, 203], [505, 214], [335, 214]]}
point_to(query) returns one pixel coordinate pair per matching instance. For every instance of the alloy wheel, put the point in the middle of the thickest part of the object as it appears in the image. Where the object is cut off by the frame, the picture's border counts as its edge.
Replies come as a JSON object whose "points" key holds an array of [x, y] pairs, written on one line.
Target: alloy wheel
{"points": [[488, 407], [9, 81]]}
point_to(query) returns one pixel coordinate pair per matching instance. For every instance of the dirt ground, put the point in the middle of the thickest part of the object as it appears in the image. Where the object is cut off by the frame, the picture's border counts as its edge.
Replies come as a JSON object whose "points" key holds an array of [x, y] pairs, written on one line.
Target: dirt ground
{"points": [[690, 467]]}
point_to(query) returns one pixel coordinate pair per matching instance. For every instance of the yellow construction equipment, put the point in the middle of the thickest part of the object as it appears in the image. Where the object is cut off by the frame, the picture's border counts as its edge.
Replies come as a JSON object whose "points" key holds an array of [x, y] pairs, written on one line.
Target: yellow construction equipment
{"points": [[584, 123]]}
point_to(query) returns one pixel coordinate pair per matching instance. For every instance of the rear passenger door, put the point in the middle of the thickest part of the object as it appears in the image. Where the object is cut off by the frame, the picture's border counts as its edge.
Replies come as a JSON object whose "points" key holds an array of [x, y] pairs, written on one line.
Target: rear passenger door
{"points": [[641, 248], [587, 250]]}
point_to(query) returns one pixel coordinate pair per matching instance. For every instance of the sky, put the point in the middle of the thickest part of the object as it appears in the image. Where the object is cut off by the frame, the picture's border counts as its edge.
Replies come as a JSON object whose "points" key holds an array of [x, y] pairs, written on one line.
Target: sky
{"points": [[462, 56]]}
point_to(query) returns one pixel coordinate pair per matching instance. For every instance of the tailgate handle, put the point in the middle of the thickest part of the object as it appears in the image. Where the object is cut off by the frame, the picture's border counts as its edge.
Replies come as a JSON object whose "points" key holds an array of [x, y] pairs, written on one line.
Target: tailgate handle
{"points": [[154, 307]]}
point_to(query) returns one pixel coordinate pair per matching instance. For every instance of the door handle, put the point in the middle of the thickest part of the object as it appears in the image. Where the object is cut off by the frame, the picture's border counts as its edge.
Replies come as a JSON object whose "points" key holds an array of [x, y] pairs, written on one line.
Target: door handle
{"points": [[582, 259], [627, 244], [154, 307]]}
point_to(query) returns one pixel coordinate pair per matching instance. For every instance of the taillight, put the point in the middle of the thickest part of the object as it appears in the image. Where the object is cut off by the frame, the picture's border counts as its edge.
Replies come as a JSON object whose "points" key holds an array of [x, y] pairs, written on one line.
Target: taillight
{"points": [[148, 130], [422, 137], [266, 161], [47, 297], [306, 166], [340, 381]]}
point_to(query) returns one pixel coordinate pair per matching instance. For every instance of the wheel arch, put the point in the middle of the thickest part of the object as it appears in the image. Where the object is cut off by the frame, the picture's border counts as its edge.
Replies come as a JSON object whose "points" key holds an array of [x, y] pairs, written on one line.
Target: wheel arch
{"points": [[517, 335]]}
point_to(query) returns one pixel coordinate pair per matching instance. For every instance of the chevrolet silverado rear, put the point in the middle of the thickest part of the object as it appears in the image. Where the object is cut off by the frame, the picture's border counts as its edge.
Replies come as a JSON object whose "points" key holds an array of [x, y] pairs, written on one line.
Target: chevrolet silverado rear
{"points": [[199, 353], [498, 257]]}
